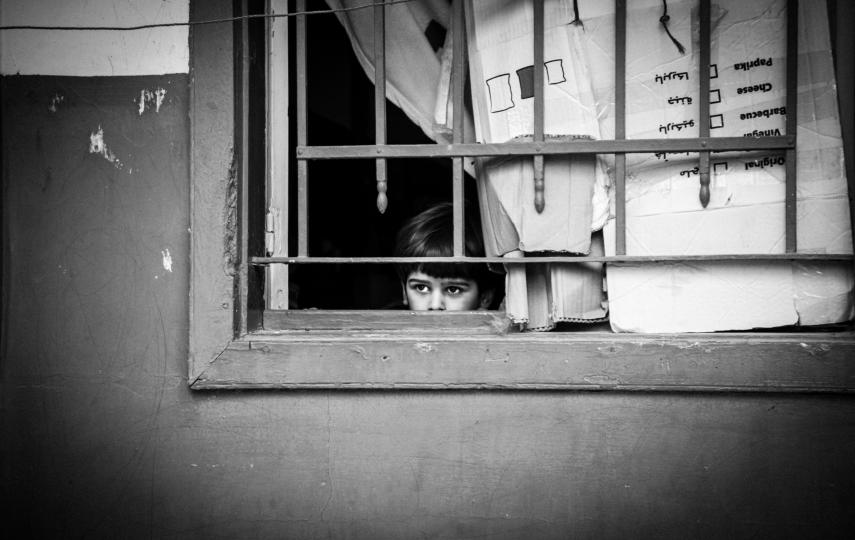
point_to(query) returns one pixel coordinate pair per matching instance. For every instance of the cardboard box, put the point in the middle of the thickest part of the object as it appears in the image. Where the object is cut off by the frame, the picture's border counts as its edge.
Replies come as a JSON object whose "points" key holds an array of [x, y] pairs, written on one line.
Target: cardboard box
{"points": [[746, 210], [664, 213]]}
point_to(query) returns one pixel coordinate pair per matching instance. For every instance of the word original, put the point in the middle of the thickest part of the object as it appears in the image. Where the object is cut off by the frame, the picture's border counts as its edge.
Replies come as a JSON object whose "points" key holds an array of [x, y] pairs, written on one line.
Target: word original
{"points": [[765, 162], [665, 128], [765, 87], [672, 75], [757, 62], [690, 172], [763, 113], [664, 155], [679, 100]]}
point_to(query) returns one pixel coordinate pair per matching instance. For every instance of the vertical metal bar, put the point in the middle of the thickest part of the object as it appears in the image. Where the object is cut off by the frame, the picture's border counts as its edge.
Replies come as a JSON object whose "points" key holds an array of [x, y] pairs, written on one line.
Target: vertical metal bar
{"points": [[792, 123], [277, 153], [620, 126], [380, 98], [539, 185], [302, 137], [458, 74], [704, 101]]}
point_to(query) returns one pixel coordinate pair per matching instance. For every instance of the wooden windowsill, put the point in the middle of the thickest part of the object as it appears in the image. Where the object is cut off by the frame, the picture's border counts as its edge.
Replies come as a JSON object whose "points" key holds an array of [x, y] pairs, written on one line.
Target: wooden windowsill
{"points": [[592, 361]]}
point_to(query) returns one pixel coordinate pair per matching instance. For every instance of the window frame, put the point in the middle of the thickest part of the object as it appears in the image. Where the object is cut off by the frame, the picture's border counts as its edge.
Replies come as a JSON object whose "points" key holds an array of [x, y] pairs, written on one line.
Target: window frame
{"points": [[228, 349]]}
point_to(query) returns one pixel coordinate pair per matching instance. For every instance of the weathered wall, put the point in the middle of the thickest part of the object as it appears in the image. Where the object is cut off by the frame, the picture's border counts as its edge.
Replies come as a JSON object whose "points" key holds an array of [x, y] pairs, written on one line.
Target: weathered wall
{"points": [[149, 51], [102, 438]]}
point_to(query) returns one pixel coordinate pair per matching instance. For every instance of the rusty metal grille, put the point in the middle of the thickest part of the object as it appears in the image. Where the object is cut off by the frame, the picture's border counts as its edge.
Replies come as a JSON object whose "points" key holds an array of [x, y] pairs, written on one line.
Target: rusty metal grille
{"points": [[538, 147]]}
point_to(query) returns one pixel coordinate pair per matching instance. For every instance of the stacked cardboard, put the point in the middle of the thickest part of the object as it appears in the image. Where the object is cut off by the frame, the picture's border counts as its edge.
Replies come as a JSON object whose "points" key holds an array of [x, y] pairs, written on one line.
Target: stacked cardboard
{"points": [[746, 209], [664, 214]]}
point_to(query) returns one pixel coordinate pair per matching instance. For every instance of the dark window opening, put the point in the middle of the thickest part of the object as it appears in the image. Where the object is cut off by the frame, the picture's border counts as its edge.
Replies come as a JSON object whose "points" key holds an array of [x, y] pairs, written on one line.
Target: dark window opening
{"points": [[343, 218]]}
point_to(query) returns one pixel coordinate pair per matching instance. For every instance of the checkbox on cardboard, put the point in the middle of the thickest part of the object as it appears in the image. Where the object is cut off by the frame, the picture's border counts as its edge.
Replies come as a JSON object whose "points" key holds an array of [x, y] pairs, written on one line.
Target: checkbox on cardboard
{"points": [[715, 96], [716, 121]]}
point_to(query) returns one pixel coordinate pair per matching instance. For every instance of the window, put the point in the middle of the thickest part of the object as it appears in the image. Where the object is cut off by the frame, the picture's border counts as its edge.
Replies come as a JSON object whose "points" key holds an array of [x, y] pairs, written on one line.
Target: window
{"points": [[236, 342]]}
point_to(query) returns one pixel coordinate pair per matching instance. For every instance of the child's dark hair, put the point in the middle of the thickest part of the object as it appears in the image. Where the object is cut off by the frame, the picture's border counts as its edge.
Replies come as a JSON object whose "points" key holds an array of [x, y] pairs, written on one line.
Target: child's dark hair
{"points": [[431, 234]]}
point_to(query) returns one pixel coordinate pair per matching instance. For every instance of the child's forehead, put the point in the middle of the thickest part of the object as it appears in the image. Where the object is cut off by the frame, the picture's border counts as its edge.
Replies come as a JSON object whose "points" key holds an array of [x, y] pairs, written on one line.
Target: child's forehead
{"points": [[426, 276]]}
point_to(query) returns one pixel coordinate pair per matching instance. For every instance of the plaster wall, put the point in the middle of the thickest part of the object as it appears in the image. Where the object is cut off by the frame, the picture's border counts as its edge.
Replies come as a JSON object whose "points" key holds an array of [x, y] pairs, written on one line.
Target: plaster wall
{"points": [[102, 438], [148, 51]]}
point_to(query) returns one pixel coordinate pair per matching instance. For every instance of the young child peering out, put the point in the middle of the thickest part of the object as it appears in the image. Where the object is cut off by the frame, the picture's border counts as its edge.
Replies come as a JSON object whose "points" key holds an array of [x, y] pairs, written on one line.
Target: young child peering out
{"points": [[444, 286]]}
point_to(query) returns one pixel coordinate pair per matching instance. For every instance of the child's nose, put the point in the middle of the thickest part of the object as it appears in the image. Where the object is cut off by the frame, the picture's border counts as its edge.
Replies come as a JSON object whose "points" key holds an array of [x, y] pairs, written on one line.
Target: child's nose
{"points": [[437, 301]]}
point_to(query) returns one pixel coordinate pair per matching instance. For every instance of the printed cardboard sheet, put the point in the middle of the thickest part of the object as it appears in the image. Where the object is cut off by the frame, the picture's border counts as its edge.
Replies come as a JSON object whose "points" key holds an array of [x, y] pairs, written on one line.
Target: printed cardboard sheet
{"points": [[746, 209]]}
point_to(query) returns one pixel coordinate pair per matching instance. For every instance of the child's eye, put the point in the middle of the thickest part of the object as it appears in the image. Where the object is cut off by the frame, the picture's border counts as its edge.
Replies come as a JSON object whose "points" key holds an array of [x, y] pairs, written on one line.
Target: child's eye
{"points": [[454, 290], [421, 288]]}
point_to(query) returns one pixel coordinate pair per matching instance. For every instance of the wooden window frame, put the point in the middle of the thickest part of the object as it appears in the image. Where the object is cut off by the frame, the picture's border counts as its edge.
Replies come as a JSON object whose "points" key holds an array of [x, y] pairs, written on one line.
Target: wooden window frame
{"points": [[229, 349]]}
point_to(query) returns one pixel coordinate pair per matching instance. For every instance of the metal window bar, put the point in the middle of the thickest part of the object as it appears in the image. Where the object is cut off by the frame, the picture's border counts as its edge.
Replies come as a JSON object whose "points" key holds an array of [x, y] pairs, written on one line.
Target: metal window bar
{"points": [[537, 138], [792, 119], [458, 77], [629, 146], [616, 259], [380, 99], [302, 136], [704, 100], [620, 126], [620, 146]]}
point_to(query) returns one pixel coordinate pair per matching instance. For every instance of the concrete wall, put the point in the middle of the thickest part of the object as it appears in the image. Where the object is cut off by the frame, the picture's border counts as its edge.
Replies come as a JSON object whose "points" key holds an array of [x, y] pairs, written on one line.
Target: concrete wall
{"points": [[102, 438]]}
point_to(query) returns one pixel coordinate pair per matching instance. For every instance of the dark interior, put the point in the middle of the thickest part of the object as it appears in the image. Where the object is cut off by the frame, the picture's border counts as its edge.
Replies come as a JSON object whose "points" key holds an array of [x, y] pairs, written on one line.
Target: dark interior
{"points": [[343, 218]]}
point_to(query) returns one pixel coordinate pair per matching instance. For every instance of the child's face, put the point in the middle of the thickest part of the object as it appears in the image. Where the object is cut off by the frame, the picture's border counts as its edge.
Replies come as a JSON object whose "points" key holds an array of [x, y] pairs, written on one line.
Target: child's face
{"points": [[425, 292]]}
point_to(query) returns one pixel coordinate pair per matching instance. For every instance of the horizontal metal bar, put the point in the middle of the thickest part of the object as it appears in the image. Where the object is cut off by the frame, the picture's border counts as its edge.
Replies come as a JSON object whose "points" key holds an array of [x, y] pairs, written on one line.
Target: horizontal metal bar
{"points": [[628, 259], [629, 146]]}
